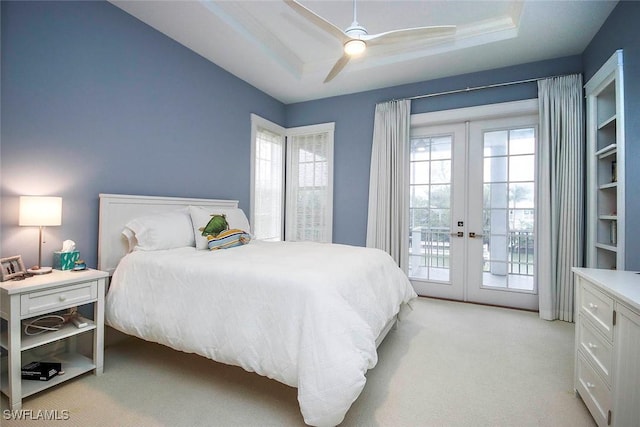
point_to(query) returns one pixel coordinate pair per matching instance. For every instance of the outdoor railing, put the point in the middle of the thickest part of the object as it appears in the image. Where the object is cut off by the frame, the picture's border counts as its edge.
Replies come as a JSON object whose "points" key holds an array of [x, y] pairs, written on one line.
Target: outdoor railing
{"points": [[521, 245], [432, 244]]}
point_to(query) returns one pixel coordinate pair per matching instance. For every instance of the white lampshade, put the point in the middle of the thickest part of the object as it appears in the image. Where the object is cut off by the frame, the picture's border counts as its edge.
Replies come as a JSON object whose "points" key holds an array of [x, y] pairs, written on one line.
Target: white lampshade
{"points": [[40, 211]]}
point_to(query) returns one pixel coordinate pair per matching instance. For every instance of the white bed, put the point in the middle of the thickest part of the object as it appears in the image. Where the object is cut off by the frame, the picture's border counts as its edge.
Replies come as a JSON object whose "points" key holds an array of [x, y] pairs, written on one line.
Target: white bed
{"points": [[309, 315]]}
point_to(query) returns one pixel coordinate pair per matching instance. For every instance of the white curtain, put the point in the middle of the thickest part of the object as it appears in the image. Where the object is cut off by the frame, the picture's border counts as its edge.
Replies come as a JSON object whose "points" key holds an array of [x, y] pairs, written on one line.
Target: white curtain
{"points": [[387, 225], [560, 221]]}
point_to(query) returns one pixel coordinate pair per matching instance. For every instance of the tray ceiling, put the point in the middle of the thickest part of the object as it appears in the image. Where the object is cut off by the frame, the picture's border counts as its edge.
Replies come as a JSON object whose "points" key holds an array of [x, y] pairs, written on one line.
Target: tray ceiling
{"points": [[273, 48]]}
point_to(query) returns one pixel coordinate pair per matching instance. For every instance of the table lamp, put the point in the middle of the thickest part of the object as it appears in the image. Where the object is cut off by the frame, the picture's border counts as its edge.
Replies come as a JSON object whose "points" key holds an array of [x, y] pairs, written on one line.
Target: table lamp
{"points": [[40, 211]]}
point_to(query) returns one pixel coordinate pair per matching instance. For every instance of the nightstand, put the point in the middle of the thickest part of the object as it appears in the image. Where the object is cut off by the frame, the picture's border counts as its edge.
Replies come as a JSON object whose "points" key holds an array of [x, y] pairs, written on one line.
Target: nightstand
{"points": [[34, 297]]}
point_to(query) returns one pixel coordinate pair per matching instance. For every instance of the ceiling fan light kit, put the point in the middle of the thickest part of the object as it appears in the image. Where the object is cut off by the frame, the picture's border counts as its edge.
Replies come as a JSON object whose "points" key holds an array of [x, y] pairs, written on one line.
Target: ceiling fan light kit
{"points": [[354, 39], [354, 47]]}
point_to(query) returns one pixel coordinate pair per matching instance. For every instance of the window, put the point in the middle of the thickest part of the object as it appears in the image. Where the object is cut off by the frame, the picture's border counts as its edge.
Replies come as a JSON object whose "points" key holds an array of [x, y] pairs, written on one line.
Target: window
{"points": [[293, 200], [267, 183], [309, 184]]}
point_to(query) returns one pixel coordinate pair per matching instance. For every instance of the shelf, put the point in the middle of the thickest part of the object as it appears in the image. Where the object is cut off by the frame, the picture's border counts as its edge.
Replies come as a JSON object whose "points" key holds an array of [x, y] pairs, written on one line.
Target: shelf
{"points": [[608, 185], [607, 151], [606, 247], [607, 122], [609, 217], [32, 341], [68, 330], [73, 365]]}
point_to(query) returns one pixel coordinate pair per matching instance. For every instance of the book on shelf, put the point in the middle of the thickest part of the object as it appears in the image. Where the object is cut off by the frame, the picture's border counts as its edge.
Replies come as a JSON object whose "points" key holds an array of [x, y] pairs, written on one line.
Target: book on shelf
{"points": [[41, 371], [614, 232]]}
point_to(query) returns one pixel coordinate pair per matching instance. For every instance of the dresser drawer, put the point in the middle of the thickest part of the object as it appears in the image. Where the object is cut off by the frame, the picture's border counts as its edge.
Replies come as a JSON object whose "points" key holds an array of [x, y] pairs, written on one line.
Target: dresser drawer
{"points": [[593, 390], [58, 298], [597, 307], [595, 348]]}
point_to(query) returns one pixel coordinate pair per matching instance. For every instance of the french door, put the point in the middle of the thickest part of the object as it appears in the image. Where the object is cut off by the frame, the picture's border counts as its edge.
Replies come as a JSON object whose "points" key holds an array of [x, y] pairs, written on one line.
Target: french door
{"points": [[472, 210], [436, 205]]}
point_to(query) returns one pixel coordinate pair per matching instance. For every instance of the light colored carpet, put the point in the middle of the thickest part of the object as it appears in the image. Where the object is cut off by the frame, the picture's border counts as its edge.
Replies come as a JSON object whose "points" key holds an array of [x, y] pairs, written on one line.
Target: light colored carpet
{"points": [[447, 364]]}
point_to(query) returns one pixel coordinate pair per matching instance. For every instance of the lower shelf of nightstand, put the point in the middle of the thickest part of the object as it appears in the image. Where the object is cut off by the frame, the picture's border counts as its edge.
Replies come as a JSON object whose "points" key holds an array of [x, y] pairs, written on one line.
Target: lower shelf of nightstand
{"points": [[73, 365]]}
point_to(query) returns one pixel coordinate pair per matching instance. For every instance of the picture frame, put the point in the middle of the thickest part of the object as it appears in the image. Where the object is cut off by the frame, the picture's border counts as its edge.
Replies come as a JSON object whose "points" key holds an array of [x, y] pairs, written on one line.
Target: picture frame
{"points": [[12, 267]]}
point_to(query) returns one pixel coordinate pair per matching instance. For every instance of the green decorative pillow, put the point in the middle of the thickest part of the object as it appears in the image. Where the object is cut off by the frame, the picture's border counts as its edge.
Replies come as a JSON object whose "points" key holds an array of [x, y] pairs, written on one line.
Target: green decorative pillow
{"points": [[216, 225], [200, 216]]}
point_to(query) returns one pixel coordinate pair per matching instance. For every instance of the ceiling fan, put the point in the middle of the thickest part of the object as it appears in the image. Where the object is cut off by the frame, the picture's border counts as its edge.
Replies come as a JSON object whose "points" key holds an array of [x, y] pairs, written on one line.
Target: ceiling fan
{"points": [[356, 39]]}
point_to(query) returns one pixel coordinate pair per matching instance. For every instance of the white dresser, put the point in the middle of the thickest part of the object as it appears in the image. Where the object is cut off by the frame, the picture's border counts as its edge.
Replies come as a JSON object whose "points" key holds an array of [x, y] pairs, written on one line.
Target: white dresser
{"points": [[607, 356]]}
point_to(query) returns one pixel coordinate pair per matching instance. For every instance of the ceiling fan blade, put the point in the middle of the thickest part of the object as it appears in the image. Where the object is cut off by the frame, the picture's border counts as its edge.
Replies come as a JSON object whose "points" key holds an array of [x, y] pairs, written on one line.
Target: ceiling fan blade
{"points": [[337, 68], [317, 20], [408, 34]]}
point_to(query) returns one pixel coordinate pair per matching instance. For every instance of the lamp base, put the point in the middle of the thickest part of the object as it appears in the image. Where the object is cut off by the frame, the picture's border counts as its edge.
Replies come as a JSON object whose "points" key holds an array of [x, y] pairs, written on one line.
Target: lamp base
{"points": [[39, 270]]}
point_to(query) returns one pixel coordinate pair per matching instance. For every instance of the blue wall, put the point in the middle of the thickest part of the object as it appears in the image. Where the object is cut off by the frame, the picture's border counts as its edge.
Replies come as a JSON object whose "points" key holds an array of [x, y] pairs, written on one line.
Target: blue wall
{"points": [[620, 31], [94, 101]]}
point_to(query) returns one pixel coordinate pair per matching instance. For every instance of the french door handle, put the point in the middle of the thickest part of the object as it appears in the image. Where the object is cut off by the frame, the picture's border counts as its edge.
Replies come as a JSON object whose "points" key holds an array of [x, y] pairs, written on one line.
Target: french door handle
{"points": [[474, 235], [458, 234]]}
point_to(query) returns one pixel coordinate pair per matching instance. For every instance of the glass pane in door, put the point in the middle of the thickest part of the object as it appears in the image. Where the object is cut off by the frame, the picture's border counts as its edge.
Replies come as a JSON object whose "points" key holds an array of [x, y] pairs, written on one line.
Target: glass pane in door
{"points": [[430, 208], [508, 209]]}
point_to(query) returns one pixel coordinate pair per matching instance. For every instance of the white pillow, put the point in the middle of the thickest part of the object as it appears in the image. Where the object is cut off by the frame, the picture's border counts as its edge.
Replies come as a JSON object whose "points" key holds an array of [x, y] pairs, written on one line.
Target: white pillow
{"points": [[201, 216], [165, 230], [131, 239]]}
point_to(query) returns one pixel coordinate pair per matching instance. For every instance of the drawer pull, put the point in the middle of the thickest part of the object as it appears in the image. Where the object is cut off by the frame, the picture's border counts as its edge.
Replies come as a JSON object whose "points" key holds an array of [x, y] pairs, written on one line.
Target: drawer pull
{"points": [[592, 346], [62, 298], [590, 385], [593, 306]]}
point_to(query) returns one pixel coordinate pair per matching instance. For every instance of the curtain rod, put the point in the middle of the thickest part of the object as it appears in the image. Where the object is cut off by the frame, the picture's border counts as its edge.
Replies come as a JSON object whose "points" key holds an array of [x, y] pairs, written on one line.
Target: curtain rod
{"points": [[469, 89]]}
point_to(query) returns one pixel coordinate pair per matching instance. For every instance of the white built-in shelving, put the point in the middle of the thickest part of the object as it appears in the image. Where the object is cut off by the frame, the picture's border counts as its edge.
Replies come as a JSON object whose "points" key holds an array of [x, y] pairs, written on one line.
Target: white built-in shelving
{"points": [[605, 166]]}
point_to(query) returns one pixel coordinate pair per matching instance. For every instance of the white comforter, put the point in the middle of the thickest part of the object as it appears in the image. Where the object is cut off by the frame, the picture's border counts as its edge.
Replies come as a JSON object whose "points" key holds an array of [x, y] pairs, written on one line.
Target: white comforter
{"points": [[305, 314]]}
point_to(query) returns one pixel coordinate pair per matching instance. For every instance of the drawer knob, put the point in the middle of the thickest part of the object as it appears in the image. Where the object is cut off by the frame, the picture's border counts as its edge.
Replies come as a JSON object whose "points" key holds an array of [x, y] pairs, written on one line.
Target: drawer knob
{"points": [[593, 306], [62, 298], [590, 385], [592, 345]]}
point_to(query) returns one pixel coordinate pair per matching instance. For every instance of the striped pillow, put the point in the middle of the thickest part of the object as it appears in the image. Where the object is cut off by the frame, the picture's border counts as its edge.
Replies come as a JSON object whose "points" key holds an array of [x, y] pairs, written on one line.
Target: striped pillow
{"points": [[228, 239]]}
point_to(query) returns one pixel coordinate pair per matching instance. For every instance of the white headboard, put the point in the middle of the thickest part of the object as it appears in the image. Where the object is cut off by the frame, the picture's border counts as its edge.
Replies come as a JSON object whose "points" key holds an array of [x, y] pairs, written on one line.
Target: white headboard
{"points": [[116, 210]]}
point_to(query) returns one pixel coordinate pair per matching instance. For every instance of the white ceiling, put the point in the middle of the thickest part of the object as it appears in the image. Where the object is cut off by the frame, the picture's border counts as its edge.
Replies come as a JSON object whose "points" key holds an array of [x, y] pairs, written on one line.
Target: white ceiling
{"points": [[268, 45]]}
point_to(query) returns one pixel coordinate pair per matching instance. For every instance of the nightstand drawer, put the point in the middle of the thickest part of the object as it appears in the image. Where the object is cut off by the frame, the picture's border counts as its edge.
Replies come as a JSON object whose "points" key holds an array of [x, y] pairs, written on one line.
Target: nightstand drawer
{"points": [[595, 348], [598, 307], [58, 298], [593, 390]]}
